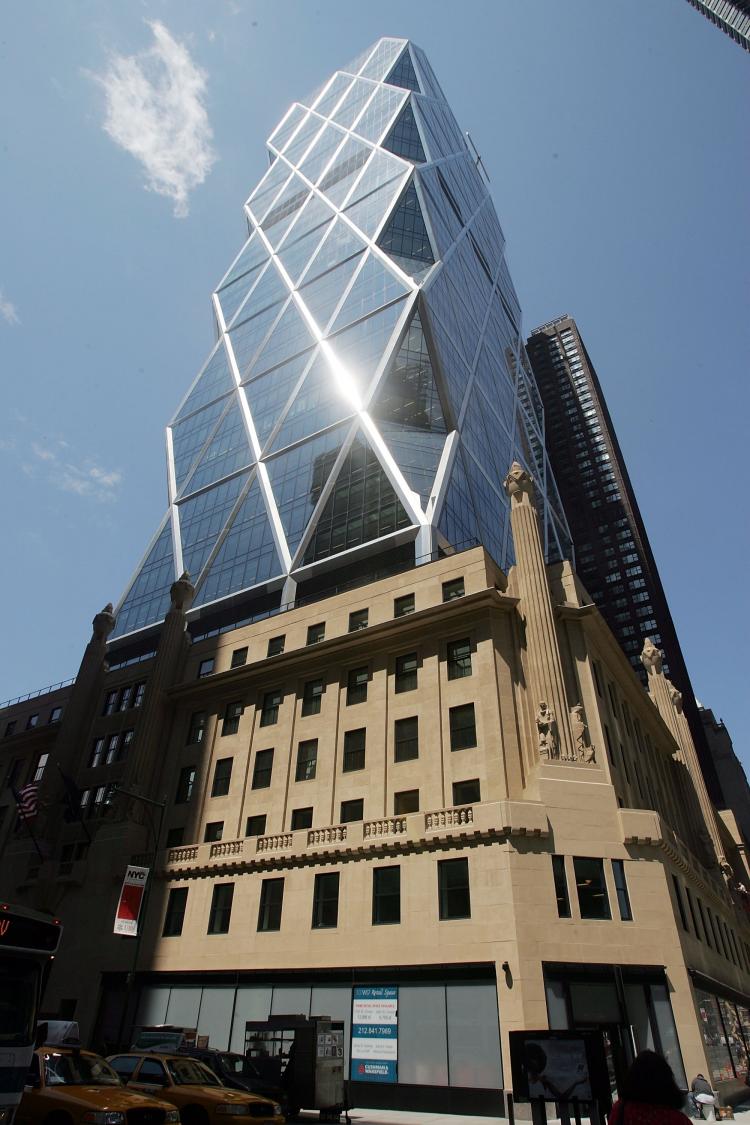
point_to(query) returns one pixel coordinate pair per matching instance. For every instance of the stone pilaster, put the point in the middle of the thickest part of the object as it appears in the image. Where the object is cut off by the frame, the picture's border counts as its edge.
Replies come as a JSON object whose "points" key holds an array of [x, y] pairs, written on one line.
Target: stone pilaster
{"points": [[545, 671]]}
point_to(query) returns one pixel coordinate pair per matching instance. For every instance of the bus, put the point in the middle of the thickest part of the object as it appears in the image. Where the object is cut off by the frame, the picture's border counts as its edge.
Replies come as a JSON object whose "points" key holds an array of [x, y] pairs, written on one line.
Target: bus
{"points": [[28, 942]]}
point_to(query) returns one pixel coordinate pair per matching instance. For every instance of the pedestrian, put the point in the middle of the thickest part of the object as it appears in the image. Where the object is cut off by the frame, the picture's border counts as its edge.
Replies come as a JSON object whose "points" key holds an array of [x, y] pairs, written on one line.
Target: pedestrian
{"points": [[649, 1095], [702, 1097]]}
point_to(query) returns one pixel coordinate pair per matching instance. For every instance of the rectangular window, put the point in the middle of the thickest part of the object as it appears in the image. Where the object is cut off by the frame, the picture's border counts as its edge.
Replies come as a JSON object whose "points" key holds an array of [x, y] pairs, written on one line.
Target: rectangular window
{"points": [[316, 633], [271, 900], [41, 762], [197, 728], [453, 889], [403, 606], [55, 715], [311, 697], [113, 748], [356, 686], [386, 896], [466, 792], [239, 657], [206, 667], [597, 679], [214, 832], [561, 886], [110, 703], [354, 750], [125, 697], [621, 886], [593, 899], [221, 908], [406, 672], [175, 915], [352, 810], [307, 760], [139, 693], [459, 659], [175, 837], [406, 739], [222, 777], [97, 753], [358, 620], [462, 727], [256, 825], [262, 769], [185, 784], [406, 802], [704, 924], [453, 589], [680, 903], [269, 712], [276, 645], [326, 900], [232, 716], [10, 728], [302, 818]]}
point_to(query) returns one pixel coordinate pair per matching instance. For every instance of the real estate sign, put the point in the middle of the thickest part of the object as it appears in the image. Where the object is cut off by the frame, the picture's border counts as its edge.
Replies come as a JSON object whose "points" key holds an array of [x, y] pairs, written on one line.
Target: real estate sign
{"points": [[375, 1034]]}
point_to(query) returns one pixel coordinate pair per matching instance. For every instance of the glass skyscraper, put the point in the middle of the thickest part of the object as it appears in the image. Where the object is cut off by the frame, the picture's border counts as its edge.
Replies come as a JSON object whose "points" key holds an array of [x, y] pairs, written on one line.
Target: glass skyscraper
{"points": [[369, 389]]}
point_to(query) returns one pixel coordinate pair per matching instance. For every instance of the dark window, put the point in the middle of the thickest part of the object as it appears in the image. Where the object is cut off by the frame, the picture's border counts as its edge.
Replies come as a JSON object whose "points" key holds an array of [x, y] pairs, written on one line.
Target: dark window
{"points": [[239, 657], [406, 672], [386, 895], [40, 766], [221, 908], [696, 931], [704, 924], [110, 704], [453, 589], [463, 727], [466, 792], [55, 715], [232, 717], [307, 760], [185, 784], [358, 620], [352, 810], [222, 777], [311, 697], [269, 712], [597, 679], [561, 886], [680, 903], [271, 900], [256, 825], [10, 727], [152, 1072], [406, 739], [139, 693], [459, 659], [405, 802], [354, 750], [262, 769], [175, 914], [276, 645], [302, 818], [621, 886], [206, 667], [125, 697], [326, 900], [197, 728], [175, 837], [214, 832], [316, 633], [356, 686], [113, 749], [453, 888], [593, 899], [403, 605], [97, 753]]}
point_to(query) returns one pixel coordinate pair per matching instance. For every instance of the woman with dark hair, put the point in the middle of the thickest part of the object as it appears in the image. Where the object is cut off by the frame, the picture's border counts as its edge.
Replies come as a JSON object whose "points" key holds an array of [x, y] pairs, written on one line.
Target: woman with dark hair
{"points": [[649, 1095]]}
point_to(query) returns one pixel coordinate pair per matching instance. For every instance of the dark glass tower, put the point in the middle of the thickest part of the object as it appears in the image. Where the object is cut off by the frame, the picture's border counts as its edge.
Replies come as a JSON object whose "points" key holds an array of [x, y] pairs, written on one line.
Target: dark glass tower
{"points": [[612, 552], [368, 389]]}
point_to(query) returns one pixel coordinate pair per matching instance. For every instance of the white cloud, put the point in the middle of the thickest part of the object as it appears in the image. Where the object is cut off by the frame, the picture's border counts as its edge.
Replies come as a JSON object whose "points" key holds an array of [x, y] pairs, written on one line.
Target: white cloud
{"points": [[51, 463], [156, 112], [8, 310]]}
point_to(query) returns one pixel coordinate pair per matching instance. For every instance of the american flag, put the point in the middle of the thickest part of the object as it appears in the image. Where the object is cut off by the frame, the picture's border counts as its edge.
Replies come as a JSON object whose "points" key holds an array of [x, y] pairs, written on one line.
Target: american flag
{"points": [[27, 801]]}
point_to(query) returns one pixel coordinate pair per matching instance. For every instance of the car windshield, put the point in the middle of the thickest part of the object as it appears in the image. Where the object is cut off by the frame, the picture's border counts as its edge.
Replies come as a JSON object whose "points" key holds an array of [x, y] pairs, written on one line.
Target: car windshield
{"points": [[189, 1072], [77, 1070]]}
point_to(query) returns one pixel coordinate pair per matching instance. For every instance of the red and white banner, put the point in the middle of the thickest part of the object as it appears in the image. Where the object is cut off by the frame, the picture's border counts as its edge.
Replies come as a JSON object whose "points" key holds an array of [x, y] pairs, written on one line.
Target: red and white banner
{"points": [[131, 897]]}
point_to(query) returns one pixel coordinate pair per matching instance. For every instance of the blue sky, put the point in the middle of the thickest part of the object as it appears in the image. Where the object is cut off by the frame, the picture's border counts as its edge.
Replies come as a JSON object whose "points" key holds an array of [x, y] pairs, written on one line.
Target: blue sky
{"points": [[615, 136]]}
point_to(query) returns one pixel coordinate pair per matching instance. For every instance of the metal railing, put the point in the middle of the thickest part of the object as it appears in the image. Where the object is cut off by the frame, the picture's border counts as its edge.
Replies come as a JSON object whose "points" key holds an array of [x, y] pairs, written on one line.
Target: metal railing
{"points": [[36, 694]]}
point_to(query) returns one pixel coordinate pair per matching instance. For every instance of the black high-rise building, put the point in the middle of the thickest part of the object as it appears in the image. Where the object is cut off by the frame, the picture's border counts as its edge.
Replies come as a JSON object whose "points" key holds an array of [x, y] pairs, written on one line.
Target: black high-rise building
{"points": [[613, 555]]}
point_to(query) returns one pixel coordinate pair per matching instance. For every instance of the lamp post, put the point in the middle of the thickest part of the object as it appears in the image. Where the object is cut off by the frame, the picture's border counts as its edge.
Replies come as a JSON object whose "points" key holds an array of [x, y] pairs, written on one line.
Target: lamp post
{"points": [[117, 791]]}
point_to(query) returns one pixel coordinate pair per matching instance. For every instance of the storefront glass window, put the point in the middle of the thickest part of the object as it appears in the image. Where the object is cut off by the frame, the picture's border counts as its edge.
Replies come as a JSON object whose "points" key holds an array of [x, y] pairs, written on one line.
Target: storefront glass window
{"points": [[734, 1036], [744, 1014], [422, 1035], [638, 1017], [594, 1002], [717, 1051], [669, 1043], [473, 1036], [557, 1009]]}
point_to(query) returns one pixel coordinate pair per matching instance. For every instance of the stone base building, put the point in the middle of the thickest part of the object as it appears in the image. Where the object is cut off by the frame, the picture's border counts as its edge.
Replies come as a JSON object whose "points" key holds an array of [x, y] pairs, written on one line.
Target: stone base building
{"points": [[449, 781]]}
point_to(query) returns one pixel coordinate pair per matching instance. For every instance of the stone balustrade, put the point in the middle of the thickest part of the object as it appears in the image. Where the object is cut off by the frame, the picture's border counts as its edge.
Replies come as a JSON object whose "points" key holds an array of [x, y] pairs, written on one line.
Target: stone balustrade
{"points": [[455, 817], [182, 855], [226, 847], [275, 842], [333, 834], [388, 826]]}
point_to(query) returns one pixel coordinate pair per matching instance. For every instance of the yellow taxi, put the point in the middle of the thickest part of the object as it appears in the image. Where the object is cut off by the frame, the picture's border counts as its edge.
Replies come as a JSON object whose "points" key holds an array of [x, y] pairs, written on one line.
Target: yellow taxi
{"points": [[67, 1086], [193, 1089]]}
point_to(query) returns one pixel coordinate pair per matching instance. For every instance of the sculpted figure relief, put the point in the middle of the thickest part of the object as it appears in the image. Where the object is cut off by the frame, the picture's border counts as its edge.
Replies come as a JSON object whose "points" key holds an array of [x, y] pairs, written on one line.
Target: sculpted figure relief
{"points": [[584, 752], [651, 657], [545, 725]]}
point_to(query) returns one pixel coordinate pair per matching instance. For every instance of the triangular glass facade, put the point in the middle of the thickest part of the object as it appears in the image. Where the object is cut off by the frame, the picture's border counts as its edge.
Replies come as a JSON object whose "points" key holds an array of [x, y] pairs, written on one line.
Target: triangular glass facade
{"points": [[369, 387]]}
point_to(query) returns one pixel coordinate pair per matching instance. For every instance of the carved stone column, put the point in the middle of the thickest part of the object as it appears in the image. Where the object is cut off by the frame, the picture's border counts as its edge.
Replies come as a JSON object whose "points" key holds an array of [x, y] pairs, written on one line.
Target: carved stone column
{"points": [[543, 654]]}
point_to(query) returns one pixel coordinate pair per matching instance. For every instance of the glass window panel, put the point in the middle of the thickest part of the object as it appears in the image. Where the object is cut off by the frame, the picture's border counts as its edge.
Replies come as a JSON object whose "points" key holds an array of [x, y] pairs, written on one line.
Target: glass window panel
{"points": [[232, 297], [296, 257], [370, 212], [557, 1008], [297, 478], [314, 214], [432, 86], [714, 1039], [338, 179], [669, 1043], [265, 194], [228, 450], [332, 94], [247, 338], [403, 73], [323, 295], [340, 243], [406, 739], [379, 113], [326, 900], [381, 60], [356, 685], [252, 255], [404, 139], [636, 1001], [269, 289], [214, 380], [474, 1058], [408, 397], [184, 1004], [406, 235], [190, 436], [290, 335], [417, 454], [300, 142], [735, 1039], [292, 120], [317, 405], [322, 151], [386, 895], [268, 394], [285, 210], [374, 286], [248, 553], [215, 1016], [147, 599], [453, 889], [422, 1035], [458, 521], [561, 886], [202, 520], [352, 104], [361, 348], [593, 899], [594, 1002], [381, 168]]}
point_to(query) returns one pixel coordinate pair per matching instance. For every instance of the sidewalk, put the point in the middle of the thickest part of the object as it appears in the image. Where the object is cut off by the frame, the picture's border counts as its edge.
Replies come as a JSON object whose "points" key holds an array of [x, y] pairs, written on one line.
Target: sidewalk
{"points": [[402, 1117]]}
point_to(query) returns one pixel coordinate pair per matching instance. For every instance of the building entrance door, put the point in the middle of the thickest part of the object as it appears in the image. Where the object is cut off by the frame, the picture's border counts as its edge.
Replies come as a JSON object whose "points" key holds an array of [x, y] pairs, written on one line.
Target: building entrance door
{"points": [[618, 1050]]}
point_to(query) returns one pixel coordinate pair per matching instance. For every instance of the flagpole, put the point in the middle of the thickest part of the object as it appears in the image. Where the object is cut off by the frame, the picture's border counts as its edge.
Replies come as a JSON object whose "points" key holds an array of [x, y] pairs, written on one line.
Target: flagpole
{"points": [[17, 799]]}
